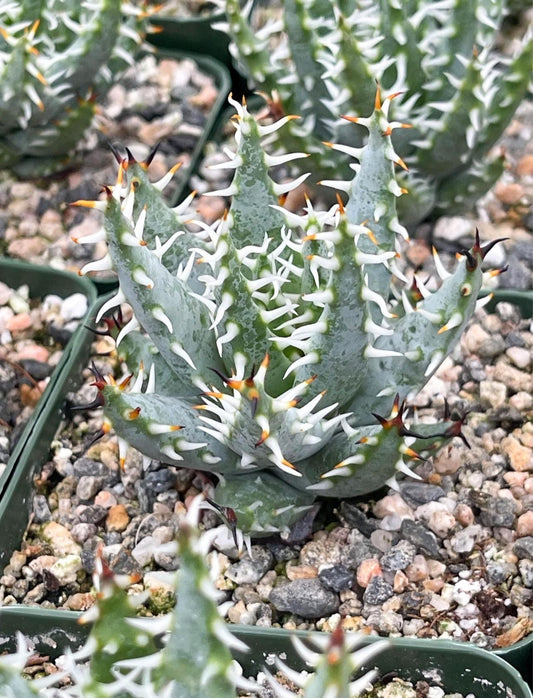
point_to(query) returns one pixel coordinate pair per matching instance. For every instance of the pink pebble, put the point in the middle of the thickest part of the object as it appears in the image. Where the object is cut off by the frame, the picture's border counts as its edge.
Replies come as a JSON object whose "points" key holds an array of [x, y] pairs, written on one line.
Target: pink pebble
{"points": [[367, 569], [34, 352], [19, 322]]}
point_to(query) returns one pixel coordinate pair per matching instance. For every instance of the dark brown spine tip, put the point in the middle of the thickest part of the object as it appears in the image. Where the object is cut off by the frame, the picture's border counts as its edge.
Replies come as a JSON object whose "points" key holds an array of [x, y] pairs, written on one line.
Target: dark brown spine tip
{"points": [[151, 154], [488, 247], [96, 437], [131, 159], [471, 262], [116, 154]]}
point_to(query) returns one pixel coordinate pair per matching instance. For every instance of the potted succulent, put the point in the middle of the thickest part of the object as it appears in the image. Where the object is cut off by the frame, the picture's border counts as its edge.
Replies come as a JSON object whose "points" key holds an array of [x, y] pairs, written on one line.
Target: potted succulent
{"points": [[320, 60], [165, 425]]}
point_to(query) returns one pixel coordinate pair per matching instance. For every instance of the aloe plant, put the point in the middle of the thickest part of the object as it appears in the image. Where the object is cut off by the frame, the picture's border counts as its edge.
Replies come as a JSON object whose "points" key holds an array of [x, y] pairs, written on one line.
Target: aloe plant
{"points": [[186, 653], [278, 349], [57, 58], [459, 93]]}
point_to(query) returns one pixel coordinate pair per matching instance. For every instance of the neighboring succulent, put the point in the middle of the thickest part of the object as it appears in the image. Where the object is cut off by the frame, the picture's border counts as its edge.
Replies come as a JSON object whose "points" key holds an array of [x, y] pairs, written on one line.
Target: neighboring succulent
{"points": [[298, 330], [460, 95], [56, 59], [185, 654]]}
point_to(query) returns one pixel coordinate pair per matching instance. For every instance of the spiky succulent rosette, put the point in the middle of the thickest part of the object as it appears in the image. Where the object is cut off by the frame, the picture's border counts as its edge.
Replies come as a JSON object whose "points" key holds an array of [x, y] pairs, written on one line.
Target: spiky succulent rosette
{"points": [[56, 59], [321, 59], [279, 350], [184, 654]]}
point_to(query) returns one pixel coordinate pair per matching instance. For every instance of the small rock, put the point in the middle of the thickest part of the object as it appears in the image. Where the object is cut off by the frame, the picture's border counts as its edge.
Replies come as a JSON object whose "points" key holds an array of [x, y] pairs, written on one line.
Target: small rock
{"points": [[377, 591], [524, 525], [143, 552], [60, 539], [301, 572], [420, 537], [523, 547], [83, 531], [336, 578], [509, 193], [305, 597], [520, 457], [366, 570], [418, 569], [464, 541], [520, 357], [88, 486], [117, 518], [65, 569], [80, 601], [421, 492], [250, 570], [526, 572], [399, 556], [41, 510], [498, 511], [492, 393], [392, 504]]}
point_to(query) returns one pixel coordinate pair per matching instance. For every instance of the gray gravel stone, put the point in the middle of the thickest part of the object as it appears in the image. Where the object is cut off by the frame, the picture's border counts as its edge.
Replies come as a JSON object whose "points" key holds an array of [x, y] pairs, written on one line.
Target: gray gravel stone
{"points": [[498, 511], [421, 537], [524, 547], [377, 591], [421, 492], [305, 597], [526, 572], [250, 570], [399, 556], [41, 510], [336, 578]]}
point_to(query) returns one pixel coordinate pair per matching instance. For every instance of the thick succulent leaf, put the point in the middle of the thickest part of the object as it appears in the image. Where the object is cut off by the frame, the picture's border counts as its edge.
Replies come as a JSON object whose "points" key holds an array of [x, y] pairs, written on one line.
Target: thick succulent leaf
{"points": [[196, 660], [372, 198], [163, 223], [339, 340], [509, 88], [137, 349], [177, 322], [262, 502], [461, 190], [310, 92], [56, 139], [423, 341], [92, 48], [456, 122], [252, 182], [148, 423]]}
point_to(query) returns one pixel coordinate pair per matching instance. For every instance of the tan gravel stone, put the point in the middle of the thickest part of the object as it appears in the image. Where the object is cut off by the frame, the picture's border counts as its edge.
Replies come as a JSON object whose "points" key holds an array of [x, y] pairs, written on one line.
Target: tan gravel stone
{"points": [[301, 572], [26, 248], [524, 524], [520, 457], [117, 518], [60, 539]]}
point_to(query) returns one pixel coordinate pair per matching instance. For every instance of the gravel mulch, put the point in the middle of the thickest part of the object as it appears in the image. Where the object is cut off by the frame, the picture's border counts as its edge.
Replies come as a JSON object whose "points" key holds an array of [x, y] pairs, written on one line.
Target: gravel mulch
{"points": [[450, 555], [33, 333], [158, 101]]}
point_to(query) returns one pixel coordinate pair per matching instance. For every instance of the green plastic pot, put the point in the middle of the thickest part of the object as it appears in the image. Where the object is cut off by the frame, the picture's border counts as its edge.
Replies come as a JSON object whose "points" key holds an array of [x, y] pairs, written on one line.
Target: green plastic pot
{"points": [[196, 35], [41, 426], [460, 668]]}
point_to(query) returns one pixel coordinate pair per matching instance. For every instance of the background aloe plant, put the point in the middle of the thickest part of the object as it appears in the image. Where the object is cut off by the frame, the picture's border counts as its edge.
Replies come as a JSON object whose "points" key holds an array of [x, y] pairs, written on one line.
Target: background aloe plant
{"points": [[56, 59], [124, 656], [460, 94], [276, 342]]}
